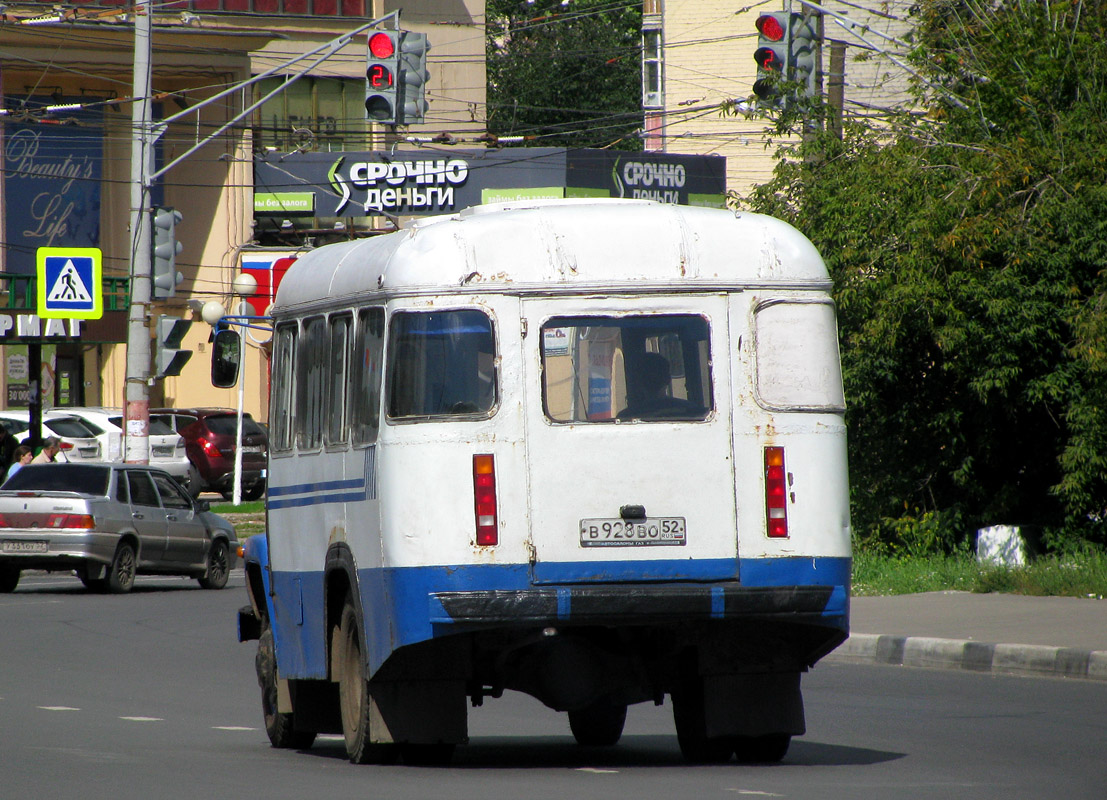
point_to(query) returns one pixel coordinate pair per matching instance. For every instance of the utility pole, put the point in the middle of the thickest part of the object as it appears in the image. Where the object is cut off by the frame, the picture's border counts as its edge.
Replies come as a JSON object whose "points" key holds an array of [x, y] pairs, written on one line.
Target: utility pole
{"points": [[136, 413]]}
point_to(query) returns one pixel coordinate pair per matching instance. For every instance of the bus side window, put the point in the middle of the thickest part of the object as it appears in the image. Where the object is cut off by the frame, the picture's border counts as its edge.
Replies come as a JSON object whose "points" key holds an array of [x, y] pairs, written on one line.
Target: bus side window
{"points": [[280, 412], [441, 364], [336, 429], [365, 376], [311, 363]]}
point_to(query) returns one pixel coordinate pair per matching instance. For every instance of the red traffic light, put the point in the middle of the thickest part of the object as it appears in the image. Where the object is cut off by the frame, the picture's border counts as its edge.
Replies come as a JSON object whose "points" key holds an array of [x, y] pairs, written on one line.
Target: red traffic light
{"points": [[379, 76], [769, 59], [770, 27], [381, 45]]}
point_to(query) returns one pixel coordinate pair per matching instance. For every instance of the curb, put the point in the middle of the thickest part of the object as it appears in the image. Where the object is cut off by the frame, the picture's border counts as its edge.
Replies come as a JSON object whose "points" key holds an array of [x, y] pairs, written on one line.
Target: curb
{"points": [[1003, 659]]}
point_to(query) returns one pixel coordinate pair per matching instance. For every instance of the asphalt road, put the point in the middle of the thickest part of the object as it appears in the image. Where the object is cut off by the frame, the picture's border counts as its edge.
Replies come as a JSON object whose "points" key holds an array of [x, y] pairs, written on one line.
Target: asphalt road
{"points": [[149, 695]]}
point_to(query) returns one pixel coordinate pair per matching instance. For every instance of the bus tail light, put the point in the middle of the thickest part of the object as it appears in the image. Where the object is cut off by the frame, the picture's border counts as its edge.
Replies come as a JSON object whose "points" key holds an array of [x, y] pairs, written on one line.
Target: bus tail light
{"points": [[484, 493], [776, 493]]}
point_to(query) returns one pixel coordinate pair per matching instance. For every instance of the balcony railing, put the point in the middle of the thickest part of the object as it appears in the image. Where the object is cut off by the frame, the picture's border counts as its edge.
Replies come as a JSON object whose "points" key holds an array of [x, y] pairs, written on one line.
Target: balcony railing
{"points": [[17, 292]]}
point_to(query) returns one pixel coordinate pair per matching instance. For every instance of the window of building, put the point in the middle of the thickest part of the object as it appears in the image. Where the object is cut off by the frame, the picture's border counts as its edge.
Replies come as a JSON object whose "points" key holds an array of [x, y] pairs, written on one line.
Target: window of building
{"points": [[652, 63], [314, 112]]}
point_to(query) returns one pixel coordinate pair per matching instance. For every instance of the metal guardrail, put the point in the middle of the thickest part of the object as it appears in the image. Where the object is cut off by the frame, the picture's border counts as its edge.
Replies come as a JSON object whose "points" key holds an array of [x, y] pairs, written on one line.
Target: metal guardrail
{"points": [[17, 292]]}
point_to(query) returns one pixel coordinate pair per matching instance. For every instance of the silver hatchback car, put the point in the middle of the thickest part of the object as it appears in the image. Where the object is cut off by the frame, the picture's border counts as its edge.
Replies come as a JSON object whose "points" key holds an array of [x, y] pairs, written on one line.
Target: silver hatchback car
{"points": [[109, 522]]}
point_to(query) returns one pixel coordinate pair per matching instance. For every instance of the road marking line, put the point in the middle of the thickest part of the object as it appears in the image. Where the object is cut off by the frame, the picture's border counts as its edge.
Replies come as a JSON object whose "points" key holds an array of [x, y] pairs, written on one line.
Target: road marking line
{"points": [[598, 771], [58, 708], [231, 728], [143, 719]]}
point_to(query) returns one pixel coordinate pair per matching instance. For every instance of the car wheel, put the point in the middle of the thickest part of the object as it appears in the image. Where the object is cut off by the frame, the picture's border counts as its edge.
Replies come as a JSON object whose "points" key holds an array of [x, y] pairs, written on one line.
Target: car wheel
{"points": [[691, 727], [9, 578], [228, 494], [121, 575], [196, 483], [254, 492], [598, 725], [278, 727], [219, 566], [98, 584]]}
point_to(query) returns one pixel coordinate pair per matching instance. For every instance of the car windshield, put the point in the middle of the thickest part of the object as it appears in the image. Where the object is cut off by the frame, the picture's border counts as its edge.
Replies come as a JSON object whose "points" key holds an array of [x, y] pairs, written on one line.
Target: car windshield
{"points": [[227, 425], [84, 478]]}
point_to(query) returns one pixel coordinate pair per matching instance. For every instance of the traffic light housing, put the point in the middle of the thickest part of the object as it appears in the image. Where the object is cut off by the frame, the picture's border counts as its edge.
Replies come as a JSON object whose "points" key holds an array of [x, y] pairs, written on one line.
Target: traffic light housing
{"points": [[170, 358], [381, 78], [803, 52], [413, 76], [772, 53], [165, 248]]}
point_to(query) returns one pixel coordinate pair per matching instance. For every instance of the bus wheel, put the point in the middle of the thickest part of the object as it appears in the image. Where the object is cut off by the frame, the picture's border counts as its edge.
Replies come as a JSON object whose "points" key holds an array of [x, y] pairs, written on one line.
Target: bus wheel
{"points": [[278, 726], [598, 725], [353, 690], [767, 749], [427, 755], [691, 727]]}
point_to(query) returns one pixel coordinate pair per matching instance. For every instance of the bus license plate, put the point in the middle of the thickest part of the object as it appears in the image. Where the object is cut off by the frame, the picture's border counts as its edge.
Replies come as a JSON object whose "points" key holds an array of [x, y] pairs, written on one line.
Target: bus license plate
{"points": [[632, 532], [12, 546]]}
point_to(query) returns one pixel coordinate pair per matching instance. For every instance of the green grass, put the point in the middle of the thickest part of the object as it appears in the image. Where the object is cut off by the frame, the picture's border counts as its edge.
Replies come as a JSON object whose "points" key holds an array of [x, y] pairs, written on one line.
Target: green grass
{"points": [[1083, 575], [254, 507]]}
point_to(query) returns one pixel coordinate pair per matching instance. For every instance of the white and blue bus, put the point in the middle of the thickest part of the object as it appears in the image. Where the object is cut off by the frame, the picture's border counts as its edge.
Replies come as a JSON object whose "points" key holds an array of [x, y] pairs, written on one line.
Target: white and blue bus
{"points": [[592, 451]]}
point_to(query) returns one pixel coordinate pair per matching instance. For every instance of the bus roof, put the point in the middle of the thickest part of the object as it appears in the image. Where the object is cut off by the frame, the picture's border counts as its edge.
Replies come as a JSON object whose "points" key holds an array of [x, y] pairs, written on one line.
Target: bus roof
{"points": [[562, 246]]}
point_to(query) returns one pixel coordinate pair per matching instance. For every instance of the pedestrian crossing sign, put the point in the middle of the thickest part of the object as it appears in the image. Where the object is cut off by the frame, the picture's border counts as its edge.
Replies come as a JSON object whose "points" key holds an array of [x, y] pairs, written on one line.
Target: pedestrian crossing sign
{"points": [[69, 283]]}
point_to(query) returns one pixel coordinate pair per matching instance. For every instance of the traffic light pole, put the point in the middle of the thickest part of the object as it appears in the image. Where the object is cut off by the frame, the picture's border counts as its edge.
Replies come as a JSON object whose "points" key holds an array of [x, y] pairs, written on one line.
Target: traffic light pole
{"points": [[136, 412]]}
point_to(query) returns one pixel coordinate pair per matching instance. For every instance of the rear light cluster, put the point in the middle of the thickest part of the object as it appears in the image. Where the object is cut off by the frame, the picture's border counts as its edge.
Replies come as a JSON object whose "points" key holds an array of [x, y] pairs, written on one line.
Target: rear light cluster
{"points": [[25, 520], [209, 449], [484, 495], [776, 493]]}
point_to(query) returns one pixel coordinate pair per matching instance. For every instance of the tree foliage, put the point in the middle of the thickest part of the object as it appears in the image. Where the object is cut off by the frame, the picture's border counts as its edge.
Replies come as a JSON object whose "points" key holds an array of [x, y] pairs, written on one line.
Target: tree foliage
{"points": [[566, 74], [968, 245]]}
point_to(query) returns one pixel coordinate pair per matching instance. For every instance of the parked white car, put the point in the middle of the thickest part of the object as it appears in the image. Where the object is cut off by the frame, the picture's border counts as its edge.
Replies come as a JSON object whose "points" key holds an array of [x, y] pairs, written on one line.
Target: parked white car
{"points": [[167, 448], [79, 440]]}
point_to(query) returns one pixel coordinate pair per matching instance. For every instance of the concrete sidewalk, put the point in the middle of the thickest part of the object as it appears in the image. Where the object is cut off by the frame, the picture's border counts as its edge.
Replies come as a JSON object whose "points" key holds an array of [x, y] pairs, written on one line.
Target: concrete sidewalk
{"points": [[1002, 633]]}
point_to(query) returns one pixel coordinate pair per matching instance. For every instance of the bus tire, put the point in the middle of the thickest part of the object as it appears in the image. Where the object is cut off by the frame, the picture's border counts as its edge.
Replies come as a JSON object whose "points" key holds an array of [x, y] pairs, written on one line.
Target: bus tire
{"points": [[691, 727], [598, 725], [767, 749], [279, 726], [353, 689]]}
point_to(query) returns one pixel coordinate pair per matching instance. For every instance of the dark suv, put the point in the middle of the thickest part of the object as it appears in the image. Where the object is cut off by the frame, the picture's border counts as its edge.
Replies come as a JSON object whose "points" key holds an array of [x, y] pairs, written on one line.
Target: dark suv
{"points": [[210, 435]]}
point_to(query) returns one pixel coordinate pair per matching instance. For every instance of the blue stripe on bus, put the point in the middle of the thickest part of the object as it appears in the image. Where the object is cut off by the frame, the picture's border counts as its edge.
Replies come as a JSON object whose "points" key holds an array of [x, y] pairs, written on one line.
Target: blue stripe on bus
{"points": [[319, 486], [316, 499], [407, 594]]}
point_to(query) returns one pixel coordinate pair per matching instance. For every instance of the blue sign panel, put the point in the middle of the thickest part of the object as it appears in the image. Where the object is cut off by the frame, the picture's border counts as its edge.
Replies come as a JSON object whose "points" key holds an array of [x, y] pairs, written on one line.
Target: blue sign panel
{"points": [[55, 172], [69, 284]]}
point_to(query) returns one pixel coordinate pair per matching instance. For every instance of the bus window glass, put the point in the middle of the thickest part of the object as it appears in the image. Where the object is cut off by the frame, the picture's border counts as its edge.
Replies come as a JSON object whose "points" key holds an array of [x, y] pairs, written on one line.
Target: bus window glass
{"points": [[280, 411], [365, 376], [797, 357], [311, 363], [336, 380], [603, 369], [441, 364]]}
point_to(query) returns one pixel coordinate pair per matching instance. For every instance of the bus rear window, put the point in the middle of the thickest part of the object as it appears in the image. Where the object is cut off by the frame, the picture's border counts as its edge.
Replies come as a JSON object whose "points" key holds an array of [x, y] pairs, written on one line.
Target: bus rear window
{"points": [[797, 357], [607, 369], [440, 364]]}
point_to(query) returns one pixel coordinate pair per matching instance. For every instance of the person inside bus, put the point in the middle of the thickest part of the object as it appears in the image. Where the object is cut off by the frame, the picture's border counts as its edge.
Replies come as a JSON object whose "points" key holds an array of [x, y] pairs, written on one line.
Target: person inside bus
{"points": [[653, 398]]}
